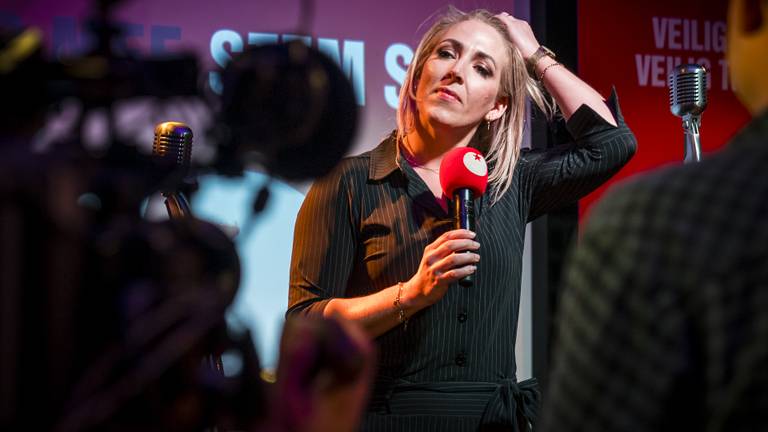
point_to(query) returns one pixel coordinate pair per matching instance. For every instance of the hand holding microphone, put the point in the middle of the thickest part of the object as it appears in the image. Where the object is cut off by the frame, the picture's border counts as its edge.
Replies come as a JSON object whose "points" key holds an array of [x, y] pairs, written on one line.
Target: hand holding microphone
{"points": [[464, 177], [446, 260], [452, 257]]}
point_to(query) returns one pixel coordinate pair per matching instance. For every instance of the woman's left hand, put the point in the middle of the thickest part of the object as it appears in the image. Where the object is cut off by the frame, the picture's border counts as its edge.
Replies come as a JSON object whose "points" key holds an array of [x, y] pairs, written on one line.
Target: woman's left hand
{"points": [[521, 34]]}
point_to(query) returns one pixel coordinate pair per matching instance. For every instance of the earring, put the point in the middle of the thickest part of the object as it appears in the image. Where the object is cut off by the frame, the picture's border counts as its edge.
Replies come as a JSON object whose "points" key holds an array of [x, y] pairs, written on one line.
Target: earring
{"points": [[488, 125]]}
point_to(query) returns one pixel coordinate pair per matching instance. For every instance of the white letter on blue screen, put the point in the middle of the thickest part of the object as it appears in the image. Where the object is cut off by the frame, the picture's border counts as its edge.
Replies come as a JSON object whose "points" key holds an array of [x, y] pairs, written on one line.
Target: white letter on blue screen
{"points": [[262, 38], [352, 62], [220, 55], [395, 52]]}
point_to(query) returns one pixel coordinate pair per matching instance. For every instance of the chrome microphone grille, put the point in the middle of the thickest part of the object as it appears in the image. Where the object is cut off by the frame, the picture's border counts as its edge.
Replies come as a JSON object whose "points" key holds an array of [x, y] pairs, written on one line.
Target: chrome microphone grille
{"points": [[688, 90], [173, 142]]}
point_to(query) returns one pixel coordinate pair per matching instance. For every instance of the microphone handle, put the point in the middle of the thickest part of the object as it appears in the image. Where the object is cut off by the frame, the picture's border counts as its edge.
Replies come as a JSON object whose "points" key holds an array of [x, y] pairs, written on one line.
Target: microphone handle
{"points": [[692, 141], [464, 218]]}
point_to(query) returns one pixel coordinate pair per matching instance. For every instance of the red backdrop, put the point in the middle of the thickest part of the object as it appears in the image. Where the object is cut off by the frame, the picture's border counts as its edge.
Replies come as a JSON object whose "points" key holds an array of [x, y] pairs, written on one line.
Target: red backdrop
{"points": [[632, 45]]}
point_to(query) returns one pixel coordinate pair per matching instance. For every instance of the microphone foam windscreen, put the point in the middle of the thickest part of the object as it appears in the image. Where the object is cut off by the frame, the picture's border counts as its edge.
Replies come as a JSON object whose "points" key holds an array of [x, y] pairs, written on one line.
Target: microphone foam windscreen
{"points": [[463, 167]]}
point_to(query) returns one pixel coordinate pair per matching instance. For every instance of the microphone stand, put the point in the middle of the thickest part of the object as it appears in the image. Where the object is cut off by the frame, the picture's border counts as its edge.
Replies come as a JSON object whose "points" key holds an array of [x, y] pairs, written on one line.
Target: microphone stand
{"points": [[688, 99], [173, 142], [691, 135], [176, 204]]}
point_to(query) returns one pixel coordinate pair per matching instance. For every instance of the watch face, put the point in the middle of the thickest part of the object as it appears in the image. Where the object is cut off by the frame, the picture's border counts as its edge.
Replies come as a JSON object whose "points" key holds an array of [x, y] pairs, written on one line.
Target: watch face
{"points": [[544, 51], [537, 55]]}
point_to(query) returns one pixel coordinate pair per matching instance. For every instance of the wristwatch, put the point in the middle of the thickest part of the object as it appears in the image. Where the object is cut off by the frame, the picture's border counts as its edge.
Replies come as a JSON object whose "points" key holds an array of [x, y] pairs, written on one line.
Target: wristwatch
{"points": [[536, 56]]}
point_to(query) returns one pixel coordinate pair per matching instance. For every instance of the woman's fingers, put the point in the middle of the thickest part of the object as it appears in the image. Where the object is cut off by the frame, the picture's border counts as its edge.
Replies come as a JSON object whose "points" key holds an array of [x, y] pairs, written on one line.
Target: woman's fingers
{"points": [[521, 34], [455, 274], [451, 235], [455, 234], [454, 261], [449, 247], [455, 245], [443, 263]]}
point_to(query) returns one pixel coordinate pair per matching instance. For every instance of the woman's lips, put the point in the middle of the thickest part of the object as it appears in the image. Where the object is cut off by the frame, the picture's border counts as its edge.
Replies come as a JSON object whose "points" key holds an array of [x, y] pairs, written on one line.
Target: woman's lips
{"points": [[445, 93]]}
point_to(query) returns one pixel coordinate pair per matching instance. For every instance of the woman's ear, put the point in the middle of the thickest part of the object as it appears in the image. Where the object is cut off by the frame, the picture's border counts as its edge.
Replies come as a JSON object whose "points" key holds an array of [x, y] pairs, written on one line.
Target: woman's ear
{"points": [[498, 110]]}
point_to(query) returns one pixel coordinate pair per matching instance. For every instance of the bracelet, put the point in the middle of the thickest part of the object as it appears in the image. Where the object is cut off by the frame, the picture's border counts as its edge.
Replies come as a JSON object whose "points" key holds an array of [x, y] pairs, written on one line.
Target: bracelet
{"points": [[533, 60], [399, 306], [541, 77]]}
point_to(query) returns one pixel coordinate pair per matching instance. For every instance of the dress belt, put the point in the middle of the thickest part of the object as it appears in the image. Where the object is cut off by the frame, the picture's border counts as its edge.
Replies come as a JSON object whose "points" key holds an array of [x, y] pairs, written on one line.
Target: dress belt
{"points": [[502, 403]]}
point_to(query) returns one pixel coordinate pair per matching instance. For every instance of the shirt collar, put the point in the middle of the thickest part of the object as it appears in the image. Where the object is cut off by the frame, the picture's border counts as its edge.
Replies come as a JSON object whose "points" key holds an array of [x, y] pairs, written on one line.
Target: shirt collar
{"points": [[384, 158]]}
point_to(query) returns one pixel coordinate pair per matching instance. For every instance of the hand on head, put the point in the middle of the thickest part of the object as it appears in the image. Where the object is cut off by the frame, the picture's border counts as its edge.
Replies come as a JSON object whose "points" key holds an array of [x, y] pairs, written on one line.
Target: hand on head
{"points": [[521, 34]]}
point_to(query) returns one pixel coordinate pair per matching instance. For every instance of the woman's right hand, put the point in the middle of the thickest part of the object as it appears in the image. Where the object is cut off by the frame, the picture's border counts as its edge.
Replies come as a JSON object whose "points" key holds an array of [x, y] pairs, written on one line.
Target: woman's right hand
{"points": [[444, 262], [521, 34]]}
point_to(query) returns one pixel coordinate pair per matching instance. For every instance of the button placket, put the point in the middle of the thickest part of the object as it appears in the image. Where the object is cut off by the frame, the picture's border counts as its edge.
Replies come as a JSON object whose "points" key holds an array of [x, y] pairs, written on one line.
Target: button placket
{"points": [[462, 316], [461, 359]]}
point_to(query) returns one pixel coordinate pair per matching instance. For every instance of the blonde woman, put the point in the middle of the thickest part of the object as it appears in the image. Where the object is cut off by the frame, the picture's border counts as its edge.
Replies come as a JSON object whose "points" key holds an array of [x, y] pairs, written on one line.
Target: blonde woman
{"points": [[373, 241]]}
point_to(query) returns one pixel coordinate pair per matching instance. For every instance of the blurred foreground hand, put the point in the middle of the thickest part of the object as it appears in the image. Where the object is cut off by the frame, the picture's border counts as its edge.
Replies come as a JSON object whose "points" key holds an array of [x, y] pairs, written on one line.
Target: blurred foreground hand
{"points": [[323, 377]]}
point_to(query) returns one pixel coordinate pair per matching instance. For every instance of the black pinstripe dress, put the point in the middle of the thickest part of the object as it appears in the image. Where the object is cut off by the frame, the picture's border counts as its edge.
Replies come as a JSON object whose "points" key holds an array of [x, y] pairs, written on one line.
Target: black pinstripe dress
{"points": [[364, 228]]}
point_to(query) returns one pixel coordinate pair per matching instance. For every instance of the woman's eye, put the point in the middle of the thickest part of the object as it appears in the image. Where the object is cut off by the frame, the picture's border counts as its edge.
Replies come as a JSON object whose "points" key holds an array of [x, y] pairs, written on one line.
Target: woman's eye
{"points": [[483, 71], [444, 54]]}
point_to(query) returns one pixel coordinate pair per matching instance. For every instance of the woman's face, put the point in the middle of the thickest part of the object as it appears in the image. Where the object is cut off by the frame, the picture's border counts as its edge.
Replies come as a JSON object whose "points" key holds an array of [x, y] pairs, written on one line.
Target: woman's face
{"points": [[459, 83]]}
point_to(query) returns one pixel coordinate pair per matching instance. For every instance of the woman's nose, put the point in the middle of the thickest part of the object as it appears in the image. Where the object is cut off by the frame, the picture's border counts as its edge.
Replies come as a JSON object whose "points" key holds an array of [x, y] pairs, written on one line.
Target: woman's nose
{"points": [[455, 73]]}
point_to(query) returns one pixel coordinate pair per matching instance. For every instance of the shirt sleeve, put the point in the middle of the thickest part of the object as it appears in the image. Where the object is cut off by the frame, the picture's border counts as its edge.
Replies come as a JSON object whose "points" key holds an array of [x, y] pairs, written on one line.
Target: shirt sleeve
{"points": [[563, 174], [323, 246]]}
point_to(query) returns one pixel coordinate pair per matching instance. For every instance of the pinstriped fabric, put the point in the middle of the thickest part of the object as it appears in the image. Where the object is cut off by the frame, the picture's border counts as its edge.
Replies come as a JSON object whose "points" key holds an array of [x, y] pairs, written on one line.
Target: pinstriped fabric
{"points": [[365, 226], [500, 403], [664, 316], [390, 423], [553, 174]]}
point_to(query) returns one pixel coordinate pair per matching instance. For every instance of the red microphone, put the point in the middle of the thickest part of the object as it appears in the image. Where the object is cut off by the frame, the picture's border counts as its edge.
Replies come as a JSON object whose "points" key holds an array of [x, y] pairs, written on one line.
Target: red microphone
{"points": [[464, 176]]}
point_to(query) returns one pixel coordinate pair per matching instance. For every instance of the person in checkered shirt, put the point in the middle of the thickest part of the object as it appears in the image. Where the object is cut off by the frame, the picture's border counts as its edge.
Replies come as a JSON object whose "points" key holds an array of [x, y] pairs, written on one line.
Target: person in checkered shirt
{"points": [[663, 321]]}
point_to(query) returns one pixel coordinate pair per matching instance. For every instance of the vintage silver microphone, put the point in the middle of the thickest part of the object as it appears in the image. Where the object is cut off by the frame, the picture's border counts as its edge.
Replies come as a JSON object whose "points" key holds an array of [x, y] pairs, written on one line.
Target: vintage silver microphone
{"points": [[688, 99], [173, 146]]}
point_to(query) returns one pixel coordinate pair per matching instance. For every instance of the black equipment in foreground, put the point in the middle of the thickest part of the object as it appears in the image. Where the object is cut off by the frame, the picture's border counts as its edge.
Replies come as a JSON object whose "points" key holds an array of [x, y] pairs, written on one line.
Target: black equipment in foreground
{"points": [[288, 108]]}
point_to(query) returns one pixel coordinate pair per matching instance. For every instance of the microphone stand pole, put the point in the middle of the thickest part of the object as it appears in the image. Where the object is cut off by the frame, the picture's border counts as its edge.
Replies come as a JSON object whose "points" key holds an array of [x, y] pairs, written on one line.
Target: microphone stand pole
{"points": [[178, 208], [692, 142], [176, 204]]}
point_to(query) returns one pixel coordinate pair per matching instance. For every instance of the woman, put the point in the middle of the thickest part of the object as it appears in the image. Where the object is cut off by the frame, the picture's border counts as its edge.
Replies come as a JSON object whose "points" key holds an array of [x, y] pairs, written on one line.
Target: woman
{"points": [[374, 243]]}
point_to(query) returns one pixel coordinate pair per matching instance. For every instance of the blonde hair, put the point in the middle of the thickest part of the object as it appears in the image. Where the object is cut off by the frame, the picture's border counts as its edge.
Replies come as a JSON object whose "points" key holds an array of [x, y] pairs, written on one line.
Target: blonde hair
{"points": [[502, 142]]}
